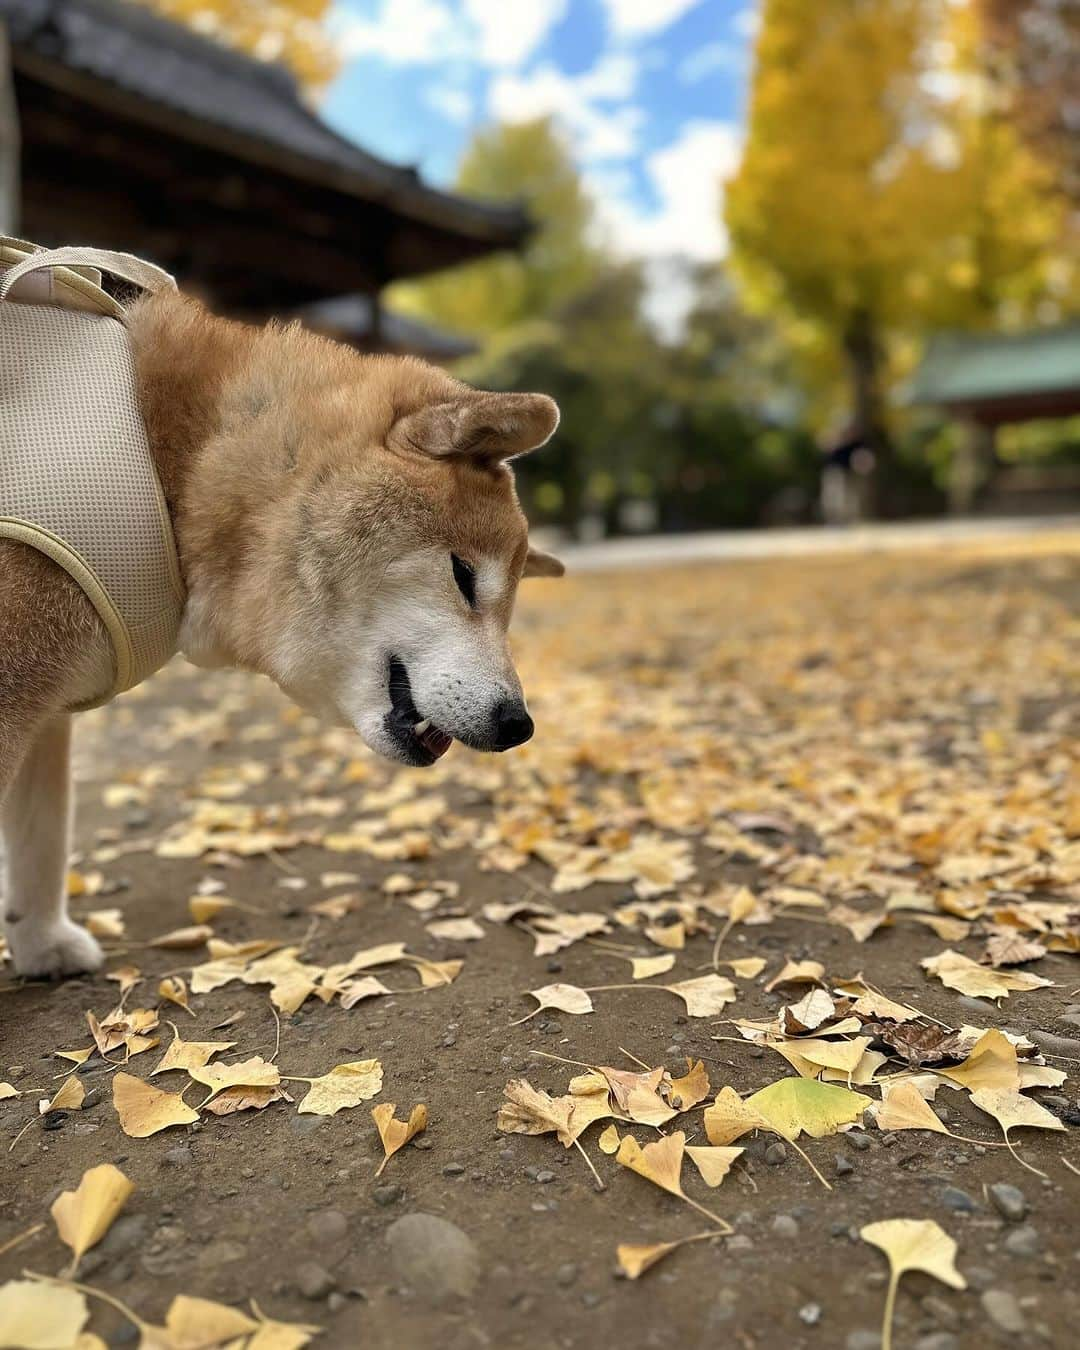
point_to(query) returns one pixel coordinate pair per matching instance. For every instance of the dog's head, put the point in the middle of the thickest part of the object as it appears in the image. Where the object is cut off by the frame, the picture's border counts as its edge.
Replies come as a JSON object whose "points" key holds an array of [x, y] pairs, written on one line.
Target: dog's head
{"points": [[397, 548]]}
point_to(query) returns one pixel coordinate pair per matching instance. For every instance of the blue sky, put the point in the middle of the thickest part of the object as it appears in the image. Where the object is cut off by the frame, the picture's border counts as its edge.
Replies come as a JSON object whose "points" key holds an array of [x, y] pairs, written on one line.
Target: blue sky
{"points": [[650, 93]]}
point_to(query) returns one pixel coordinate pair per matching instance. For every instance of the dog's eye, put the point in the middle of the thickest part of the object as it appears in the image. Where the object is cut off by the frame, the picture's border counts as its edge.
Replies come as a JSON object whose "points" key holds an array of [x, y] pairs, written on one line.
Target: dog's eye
{"points": [[465, 578]]}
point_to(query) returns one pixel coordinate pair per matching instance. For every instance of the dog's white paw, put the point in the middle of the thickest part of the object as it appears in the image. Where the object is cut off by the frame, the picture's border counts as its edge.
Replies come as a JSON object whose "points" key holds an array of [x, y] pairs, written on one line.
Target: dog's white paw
{"points": [[59, 947]]}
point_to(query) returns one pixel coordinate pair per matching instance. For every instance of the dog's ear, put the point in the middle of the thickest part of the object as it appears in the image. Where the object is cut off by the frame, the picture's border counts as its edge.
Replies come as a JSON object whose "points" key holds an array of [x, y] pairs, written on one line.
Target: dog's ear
{"points": [[539, 564], [480, 426]]}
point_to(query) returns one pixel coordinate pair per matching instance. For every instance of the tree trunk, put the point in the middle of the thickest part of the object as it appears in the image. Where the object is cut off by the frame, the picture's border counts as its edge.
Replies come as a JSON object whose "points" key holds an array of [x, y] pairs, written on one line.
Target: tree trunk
{"points": [[868, 422], [9, 142], [972, 466]]}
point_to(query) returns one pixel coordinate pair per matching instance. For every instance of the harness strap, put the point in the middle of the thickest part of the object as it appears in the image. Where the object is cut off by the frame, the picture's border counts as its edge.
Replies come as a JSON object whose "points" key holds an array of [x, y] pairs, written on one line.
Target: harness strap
{"points": [[123, 265]]}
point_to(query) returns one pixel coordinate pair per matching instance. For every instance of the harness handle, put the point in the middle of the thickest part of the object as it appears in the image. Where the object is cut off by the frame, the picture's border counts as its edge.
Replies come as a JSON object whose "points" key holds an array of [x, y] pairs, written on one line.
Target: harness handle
{"points": [[123, 265]]}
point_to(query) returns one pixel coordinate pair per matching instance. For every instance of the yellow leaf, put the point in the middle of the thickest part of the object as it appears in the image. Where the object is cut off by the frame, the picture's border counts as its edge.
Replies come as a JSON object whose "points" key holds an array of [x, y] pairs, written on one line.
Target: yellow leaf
{"points": [[69, 1097], [105, 923], [992, 1063], [253, 1072], [634, 1260], [180, 939], [76, 1056], [671, 935], [85, 1215], [729, 1118], [456, 930], [959, 972], [609, 1140], [693, 1087], [1012, 1110], [746, 967], [396, 1134], [198, 1324], [344, 1086], [567, 998], [797, 972], [233, 1099], [645, 967], [203, 908], [188, 1055], [127, 977], [39, 1316], [144, 1110], [527, 1110], [795, 1106], [809, 1057], [174, 990], [707, 996], [6, 1090], [903, 1108], [912, 1244], [434, 974], [713, 1163], [661, 1163], [637, 1095]]}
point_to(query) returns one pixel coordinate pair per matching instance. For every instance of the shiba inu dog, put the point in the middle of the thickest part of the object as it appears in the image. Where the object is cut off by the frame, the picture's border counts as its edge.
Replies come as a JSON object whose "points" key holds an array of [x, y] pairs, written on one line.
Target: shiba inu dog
{"points": [[346, 525]]}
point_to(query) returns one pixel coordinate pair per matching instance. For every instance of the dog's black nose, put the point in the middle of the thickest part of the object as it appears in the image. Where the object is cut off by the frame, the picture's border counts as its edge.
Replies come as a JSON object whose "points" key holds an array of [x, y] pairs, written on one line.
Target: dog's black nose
{"points": [[513, 725]]}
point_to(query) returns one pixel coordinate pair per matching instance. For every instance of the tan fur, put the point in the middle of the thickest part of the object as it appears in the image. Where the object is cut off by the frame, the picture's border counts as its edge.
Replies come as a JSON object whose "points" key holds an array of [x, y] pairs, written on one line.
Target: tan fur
{"points": [[316, 497]]}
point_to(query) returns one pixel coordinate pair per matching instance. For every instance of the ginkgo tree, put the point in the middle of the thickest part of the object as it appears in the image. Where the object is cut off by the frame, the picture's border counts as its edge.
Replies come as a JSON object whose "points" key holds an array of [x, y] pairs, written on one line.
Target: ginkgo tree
{"points": [[881, 194]]}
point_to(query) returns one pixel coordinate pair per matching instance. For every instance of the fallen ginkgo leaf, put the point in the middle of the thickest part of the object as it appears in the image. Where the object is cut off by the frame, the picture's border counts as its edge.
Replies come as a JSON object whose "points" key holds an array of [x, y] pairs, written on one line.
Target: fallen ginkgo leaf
{"points": [[713, 1163], [180, 939], [396, 1134], [38, 1316], [959, 972], [912, 1244], [174, 990], [144, 1109], [69, 1097], [188, 1055], [344, 1086], [84, 1216], [567, 998], [661, 1163], [797, 1106], [635, 1259], [253, 1072], [1012, 1110]]}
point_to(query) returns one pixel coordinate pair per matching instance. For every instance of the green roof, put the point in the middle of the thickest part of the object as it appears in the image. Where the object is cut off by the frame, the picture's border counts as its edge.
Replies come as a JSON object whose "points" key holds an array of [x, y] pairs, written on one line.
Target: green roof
{"points": [[964, 369]]}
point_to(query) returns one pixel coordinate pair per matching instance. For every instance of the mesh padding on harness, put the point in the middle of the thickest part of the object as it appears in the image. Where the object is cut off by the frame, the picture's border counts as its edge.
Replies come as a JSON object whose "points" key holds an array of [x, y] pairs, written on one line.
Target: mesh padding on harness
{"points": [[77, 480]]}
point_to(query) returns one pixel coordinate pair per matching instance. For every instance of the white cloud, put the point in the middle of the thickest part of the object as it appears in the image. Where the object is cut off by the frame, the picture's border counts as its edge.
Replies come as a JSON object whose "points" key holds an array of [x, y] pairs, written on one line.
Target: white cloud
{"points": [[747, 22], [456, 105], [707, 60], [687, 177], [640, 18], [402, 32], [509, 31], [498, 34], [583, 104]]}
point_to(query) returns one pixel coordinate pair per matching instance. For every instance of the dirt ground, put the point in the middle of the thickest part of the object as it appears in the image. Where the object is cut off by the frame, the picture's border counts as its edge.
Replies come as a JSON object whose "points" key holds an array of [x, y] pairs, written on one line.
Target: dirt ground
{"points": [[856, 727]]}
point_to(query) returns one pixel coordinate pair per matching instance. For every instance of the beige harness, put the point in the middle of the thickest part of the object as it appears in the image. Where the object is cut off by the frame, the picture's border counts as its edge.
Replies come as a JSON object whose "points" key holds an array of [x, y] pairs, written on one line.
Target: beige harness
{"points": [[77, 480]]}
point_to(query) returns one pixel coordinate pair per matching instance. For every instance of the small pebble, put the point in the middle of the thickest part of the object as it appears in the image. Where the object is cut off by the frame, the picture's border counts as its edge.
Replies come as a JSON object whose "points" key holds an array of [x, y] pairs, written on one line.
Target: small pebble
{"points": [[844, 1166], [328, 1227], [740, 1243], [453, 1169], [858, 1141], [957, 1200], [566, 1274], [387, 1195], [776, 1154], [1023, 1241], [1004, 1311], [863, 1340], [543, 1176], [314, 1281], [785, 1226], [938, 1340], [810, 1313], [1009, 1201], [177, 1157]]}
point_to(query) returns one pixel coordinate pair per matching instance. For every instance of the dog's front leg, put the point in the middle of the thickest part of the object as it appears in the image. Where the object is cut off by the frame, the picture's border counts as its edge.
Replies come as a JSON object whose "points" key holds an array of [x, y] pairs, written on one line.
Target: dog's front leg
{"points": [[36, 818]]}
